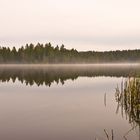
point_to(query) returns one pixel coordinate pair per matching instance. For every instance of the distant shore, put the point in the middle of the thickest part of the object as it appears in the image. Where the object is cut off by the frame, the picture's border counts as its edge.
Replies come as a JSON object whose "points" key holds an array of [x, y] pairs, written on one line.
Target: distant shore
{"points": [[48, 54]]}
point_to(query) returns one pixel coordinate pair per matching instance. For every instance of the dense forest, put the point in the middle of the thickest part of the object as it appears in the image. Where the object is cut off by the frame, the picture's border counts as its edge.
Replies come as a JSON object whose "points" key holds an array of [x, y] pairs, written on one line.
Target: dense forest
{"points": [[46, 53]]}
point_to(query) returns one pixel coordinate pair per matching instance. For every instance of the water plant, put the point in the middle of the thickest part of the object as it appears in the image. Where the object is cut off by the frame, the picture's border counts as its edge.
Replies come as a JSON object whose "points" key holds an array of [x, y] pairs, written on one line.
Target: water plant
{"points": [[128, 98]]}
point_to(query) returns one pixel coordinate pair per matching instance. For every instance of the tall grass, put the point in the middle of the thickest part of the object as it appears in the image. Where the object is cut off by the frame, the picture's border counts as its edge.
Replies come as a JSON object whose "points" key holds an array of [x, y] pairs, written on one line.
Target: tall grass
{"points": [[128, 98]]}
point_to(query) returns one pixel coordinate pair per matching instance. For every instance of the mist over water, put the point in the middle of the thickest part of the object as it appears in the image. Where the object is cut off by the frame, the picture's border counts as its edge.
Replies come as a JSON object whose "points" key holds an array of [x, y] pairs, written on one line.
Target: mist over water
{"points": [[48, 74]]}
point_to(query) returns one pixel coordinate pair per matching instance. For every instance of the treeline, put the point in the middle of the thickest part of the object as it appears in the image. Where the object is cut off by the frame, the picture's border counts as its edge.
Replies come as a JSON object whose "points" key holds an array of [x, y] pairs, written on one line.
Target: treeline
{"points": [[46, 53]]}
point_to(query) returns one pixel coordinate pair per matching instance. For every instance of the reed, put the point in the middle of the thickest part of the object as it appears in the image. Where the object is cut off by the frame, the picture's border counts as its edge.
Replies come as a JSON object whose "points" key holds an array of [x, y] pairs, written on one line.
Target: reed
{"points": [[128, 98]]}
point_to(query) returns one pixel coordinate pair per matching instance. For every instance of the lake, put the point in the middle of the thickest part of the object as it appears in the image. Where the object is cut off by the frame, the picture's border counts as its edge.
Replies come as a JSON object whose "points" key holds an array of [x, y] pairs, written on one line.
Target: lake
{"points": [[64, 102]]}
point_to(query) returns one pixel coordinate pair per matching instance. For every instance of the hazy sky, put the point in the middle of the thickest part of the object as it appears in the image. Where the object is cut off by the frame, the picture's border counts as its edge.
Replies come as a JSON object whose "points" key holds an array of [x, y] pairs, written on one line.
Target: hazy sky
{"points": [[80, 24]]}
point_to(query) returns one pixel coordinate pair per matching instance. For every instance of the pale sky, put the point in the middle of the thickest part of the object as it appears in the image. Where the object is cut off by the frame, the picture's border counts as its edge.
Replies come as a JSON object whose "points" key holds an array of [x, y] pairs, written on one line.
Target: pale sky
{"points": [[79, 24]]}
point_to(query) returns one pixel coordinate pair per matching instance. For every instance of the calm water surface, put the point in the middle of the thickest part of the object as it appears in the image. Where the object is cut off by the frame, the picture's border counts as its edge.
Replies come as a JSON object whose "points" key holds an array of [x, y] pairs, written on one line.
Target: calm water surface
{"points": [[63, 102]]}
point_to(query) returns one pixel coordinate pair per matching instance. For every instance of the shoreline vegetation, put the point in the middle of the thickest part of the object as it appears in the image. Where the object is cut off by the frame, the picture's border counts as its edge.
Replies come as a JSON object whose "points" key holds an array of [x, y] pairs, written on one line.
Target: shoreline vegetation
{"points": [[128, 99], [48, 54]]}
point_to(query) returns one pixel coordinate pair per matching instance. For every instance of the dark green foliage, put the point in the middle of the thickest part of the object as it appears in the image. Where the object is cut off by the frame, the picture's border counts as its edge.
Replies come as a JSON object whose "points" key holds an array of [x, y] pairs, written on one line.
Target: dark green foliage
{"points": [[41, 53]]}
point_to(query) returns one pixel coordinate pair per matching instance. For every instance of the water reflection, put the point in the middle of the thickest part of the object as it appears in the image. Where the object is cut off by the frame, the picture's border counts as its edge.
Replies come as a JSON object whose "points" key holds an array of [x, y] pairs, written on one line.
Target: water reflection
{"points": [[48, 74], [128, 98]]}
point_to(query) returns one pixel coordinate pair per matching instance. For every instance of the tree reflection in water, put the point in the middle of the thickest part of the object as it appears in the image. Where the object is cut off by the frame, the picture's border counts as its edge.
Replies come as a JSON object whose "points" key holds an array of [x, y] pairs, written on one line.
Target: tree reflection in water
{"points": [[128, 98], [48, 74]]}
